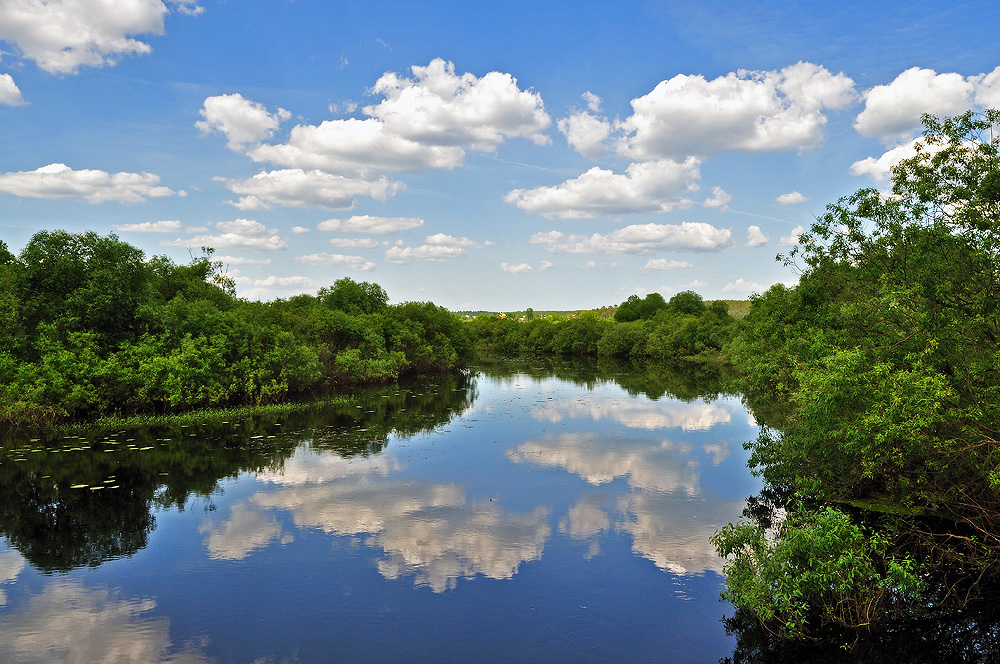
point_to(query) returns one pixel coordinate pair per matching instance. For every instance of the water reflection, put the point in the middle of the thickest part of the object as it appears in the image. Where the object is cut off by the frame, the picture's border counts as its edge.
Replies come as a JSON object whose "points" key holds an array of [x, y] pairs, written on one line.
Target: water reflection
{"points": [[89, 498], [11, 564], [426, 530], [637, 414], [330, 517], [71, 624]]}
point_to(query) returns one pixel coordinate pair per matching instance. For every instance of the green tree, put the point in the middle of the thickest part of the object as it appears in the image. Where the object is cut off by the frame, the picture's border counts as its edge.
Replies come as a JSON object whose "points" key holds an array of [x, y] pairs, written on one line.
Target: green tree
{"points": [[887, 355]]}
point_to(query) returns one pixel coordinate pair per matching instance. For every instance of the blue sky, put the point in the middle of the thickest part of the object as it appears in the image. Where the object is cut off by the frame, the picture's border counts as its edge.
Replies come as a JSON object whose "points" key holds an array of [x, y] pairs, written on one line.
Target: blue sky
{"points": [[481, 155]]}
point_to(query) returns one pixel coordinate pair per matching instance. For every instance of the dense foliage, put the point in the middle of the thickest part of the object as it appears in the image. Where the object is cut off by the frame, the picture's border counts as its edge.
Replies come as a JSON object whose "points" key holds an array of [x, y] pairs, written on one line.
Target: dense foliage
{"points": [[887, 355], [89, 327], [682, 331]]}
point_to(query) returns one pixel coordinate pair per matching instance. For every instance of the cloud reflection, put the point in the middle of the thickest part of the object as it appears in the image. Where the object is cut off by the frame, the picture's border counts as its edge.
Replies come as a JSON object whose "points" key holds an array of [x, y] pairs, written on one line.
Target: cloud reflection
{"points": [[426, 530], [647, 464], [636, 413], [11, 564], [665, 511], [69, 624]]}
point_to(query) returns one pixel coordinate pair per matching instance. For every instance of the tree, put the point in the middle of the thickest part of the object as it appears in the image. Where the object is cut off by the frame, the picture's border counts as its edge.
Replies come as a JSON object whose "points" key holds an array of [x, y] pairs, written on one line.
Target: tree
{"points": [[887, 353]]}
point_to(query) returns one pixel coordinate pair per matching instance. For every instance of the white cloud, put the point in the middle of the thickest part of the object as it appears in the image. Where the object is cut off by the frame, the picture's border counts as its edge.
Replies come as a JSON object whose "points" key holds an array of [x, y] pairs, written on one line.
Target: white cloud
{"points": [[187, 7], [238, 234], [241, 121], [368, 224], [756, 237], [62, 182], [664, 264], [439, 107], [640, 239], [791, 198], [743, 286], [988, 89], [644, 187], [720, 199], [241, 260], [284, 282], [299, 230], [792, 238], [438, 247], [337, 260], [586, 133], [296, 188], [423, 123], [744, 111], [357, 148], [10, 94], [171, 226], [593, 101], [878, 170], [523, 268], [893, 111], [354, 243], [61, 36]]}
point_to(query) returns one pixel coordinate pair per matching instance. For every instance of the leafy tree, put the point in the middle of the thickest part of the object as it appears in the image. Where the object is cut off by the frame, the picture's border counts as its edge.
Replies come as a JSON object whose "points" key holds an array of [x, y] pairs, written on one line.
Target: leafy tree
{"points": [[887, 353], [353, 297]]}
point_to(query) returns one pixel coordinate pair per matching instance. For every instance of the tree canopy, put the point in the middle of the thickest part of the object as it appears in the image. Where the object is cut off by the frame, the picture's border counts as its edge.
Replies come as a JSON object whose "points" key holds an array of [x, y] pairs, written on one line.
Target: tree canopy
{"points": [[887, 355]]}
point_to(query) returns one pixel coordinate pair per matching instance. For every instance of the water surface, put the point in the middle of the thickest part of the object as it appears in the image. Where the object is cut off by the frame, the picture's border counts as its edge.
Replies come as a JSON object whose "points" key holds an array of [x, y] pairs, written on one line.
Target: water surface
{"points": [[516, 514]]}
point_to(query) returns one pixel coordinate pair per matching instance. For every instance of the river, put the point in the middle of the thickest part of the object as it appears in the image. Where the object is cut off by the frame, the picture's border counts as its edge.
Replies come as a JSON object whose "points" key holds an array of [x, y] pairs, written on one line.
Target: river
{"points": [[514, 513]]}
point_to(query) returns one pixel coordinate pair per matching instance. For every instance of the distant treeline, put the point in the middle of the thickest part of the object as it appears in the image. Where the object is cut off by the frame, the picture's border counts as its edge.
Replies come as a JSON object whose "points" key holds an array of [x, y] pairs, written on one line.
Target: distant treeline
{"points": [[89, 327], [682, 331]]}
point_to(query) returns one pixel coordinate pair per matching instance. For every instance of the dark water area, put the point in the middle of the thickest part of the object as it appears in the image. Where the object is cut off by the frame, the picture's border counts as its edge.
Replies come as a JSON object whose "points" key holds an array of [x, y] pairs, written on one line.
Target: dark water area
{"points": [[521, 512]]}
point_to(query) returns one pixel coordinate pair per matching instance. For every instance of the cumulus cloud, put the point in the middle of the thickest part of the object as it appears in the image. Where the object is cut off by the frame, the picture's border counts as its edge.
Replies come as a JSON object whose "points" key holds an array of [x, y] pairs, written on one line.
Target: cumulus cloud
{"points": [[337, 260], [357, 148], [372, 225], [586, 133], [523, 268], [354, 242], [743, 286], [168, 226], [241, 260], [644, 187], [438, 247], [10, 94], [756, 237], [893, 111], [422, 123], [664, 264], [792, 238], [439, 107], [62, 182], [791, 198], [299, 230], [720, 199], [284, 282], [879, 169], [61, 36], [239, 234], [593, 101], [240, 120], [745, 111], [640, 239], [988, 89], [295, 188]]}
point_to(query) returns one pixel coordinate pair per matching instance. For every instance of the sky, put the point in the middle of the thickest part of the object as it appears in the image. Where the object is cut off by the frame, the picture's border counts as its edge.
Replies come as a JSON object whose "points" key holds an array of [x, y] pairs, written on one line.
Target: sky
{"points": [[480, 155]]}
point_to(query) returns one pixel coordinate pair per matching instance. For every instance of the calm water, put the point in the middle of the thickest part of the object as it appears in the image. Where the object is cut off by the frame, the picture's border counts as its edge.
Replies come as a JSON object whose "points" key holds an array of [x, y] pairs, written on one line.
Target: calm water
{"points": [[517, 514]]}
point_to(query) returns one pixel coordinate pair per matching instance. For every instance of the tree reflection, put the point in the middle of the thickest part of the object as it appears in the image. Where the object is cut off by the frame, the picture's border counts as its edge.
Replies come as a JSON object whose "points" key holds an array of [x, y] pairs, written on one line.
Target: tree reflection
{"points": [[82, 500], [652, 379]]}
